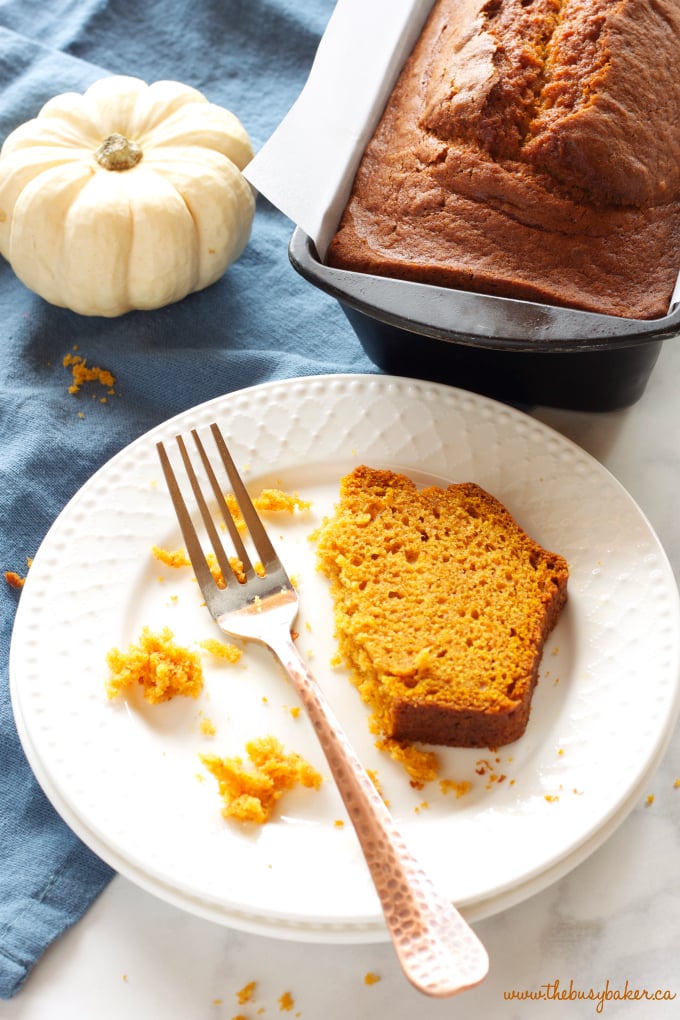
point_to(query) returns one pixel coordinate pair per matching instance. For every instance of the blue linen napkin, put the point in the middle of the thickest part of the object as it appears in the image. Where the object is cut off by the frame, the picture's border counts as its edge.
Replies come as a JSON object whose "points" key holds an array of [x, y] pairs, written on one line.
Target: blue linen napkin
{"points": [[260, 322]]}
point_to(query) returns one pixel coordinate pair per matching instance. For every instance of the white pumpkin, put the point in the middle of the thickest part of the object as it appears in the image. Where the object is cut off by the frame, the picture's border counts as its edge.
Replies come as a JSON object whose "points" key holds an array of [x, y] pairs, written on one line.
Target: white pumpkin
{"points": [[129, 196]]}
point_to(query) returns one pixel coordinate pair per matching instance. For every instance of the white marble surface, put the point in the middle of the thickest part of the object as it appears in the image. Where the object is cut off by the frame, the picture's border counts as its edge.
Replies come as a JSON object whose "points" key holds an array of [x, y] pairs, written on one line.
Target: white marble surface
{"points": [[613, 924]]}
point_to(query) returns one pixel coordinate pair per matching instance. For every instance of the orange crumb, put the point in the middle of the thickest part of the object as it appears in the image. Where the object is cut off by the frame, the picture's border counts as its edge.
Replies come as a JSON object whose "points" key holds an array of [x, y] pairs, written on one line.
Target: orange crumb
{"points": [[250, 794], [272, 500], [373, 776], [676, 784], [221, 650], [276, 500], [83, 373], [16, 580], [371, 978], [162, 668], [294, 711], [451, 786], [339, 823], [286, 1002], [650, 800], [208, 727], [551, 797], [421, 766], [176, 558], [235, 511], [247, 993]]}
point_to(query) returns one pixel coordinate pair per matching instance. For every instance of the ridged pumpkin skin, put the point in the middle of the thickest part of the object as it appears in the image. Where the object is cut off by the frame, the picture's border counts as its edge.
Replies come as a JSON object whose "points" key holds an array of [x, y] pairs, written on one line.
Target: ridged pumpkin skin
{"points": [[103, 239]]}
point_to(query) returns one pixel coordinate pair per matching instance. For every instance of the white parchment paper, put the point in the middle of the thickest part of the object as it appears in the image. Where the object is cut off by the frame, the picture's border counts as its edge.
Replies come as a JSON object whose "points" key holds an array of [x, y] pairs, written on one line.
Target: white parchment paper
{"points": [[307, 167]]}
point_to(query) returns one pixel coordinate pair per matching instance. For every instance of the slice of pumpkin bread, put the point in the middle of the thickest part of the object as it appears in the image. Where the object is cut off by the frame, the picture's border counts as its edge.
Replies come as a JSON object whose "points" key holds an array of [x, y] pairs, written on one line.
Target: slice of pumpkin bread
{"points": [[442, 607]]}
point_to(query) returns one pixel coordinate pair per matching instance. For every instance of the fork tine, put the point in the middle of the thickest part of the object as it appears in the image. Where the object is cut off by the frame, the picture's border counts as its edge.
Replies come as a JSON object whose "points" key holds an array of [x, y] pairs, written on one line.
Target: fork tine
{"points": [[258, 533], [203, 575], [215, 541], [239, 547]]}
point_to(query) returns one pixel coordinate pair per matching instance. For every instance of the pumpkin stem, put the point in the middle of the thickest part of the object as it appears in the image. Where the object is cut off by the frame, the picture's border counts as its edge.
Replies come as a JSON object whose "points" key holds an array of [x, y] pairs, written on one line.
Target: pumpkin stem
{"points": [[118, 153]]}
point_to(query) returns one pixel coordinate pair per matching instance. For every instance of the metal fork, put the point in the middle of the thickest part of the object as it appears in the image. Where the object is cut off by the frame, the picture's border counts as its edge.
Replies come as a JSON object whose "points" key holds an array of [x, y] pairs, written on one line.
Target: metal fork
{"points": [[438, 951]]}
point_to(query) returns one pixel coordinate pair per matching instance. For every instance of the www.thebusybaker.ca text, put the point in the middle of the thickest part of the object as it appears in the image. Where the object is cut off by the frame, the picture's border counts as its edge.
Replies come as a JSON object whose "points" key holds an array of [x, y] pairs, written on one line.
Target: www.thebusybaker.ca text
{"points": [[554, 991]]}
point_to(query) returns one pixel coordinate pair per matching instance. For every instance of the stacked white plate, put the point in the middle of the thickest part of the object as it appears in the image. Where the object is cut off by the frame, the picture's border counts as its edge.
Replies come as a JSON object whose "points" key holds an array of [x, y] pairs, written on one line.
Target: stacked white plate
{"points": [[127, 776]]}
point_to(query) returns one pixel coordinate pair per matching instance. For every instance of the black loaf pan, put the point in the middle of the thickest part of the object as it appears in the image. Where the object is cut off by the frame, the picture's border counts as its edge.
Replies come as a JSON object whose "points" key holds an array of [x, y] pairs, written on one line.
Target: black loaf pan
{"points": [[515, 351]]}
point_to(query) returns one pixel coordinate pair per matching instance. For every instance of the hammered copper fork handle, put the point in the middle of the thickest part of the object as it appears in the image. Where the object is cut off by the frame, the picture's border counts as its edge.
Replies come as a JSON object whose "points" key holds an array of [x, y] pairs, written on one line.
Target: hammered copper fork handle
{"points": [[438, 951]]}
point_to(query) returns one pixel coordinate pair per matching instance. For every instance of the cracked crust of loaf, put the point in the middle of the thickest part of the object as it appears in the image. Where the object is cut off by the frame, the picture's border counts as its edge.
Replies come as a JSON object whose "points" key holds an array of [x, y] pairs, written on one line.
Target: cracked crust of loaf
{"points": [[442, 608], [530, 149]]}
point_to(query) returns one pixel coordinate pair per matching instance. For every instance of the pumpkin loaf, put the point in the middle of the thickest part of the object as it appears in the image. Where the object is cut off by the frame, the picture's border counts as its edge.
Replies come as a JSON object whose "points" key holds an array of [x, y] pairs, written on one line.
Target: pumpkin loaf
{"points": [[530, 149], [442, 608]]}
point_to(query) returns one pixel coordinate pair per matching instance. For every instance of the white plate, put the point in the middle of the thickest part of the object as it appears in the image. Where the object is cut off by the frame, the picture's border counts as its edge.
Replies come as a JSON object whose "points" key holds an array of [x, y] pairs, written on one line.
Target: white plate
{"points": [[125, 776]]}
